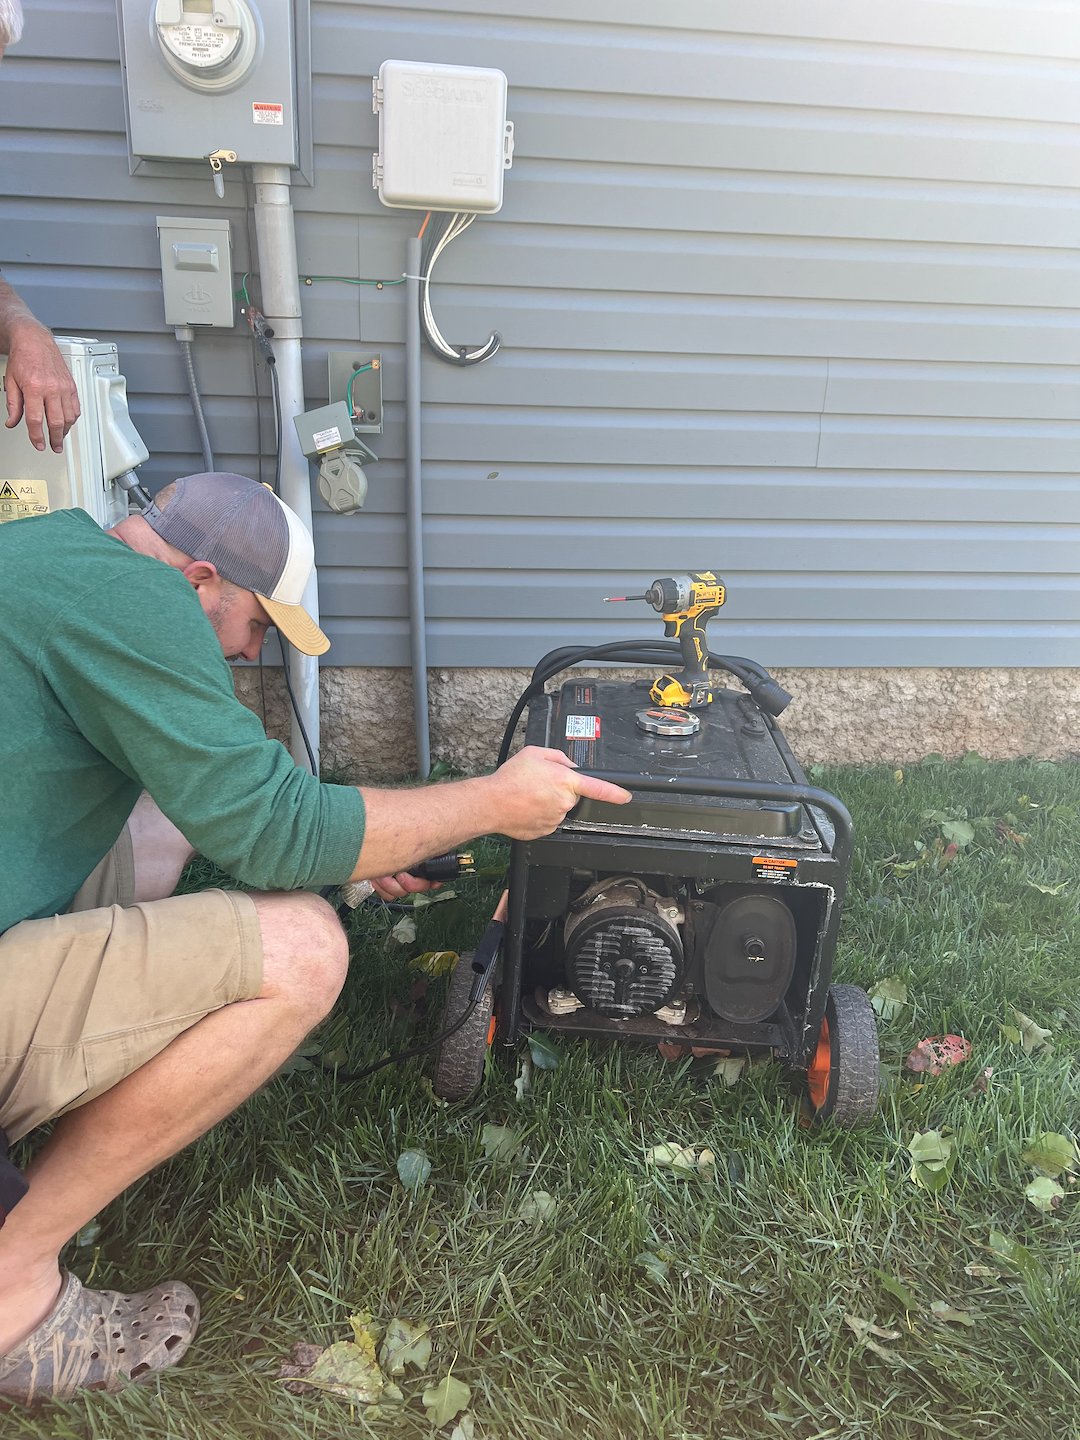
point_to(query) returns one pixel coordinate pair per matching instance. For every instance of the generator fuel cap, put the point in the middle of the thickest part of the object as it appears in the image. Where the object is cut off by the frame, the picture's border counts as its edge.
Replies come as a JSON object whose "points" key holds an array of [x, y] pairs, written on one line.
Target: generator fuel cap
{"points": [[667, 720]]}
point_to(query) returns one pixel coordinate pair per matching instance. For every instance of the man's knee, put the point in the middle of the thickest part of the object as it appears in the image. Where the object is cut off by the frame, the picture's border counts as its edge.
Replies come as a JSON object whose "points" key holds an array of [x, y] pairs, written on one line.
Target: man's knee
{"points": [[305, 950]]}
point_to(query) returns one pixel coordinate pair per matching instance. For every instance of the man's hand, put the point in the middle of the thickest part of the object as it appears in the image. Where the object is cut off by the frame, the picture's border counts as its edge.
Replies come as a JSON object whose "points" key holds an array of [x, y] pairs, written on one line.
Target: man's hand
{"points": [[524, 799], [538, 788], [401, 885], [39, 386]]}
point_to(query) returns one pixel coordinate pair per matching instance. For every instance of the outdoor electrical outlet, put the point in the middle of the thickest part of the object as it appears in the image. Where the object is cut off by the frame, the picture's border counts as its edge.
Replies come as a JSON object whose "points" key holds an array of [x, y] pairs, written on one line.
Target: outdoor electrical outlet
{"points": [[367, 407]]}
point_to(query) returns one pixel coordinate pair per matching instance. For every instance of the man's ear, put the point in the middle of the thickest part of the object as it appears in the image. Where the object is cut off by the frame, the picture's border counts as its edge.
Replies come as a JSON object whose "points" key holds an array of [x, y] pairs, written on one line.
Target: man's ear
{"points": [[200, 573]]}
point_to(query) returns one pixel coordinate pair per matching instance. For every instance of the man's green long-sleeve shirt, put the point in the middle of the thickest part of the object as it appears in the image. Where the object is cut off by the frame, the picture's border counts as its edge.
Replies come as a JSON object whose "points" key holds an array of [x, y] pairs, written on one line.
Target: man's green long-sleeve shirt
{"points": [[112, 681]]}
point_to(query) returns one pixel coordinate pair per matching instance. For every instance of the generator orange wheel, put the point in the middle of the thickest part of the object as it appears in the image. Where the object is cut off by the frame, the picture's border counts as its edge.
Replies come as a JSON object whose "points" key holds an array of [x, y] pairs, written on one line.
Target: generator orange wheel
{"points": [[842, 1079], [817, 1076]]}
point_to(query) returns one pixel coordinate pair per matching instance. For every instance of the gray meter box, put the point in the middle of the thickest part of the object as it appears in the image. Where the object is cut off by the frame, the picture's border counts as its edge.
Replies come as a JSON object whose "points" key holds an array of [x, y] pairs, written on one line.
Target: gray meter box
{"points": [[196, 271], [202, 76]]}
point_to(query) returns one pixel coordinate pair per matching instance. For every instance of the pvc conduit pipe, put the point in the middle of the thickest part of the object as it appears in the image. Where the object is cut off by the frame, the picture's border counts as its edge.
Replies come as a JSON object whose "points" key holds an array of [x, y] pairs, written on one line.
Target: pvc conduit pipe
{"points": [[414, 508], [275, 234]]}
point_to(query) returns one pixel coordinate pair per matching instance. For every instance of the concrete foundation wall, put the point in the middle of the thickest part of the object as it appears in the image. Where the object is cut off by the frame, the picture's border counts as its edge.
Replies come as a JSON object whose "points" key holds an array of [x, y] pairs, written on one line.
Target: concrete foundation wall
{"points": [[857, 716]]}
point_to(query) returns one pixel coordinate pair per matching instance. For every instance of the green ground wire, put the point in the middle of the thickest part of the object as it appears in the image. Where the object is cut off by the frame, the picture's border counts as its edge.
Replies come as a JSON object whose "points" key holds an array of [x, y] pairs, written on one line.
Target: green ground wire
{"points": [[353, 280], [349, 392]]}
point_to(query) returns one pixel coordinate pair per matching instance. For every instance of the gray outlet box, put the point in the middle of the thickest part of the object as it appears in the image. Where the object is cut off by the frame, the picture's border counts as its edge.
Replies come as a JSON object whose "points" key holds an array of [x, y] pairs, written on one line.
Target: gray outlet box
{"points": [[200, 79], [196, 270], [363, 371]]}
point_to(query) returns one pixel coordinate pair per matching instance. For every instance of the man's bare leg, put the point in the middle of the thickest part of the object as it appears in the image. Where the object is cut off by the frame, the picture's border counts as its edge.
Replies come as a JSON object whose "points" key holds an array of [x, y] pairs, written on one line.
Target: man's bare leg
{"points": [[96, 1151], [160, 851]]}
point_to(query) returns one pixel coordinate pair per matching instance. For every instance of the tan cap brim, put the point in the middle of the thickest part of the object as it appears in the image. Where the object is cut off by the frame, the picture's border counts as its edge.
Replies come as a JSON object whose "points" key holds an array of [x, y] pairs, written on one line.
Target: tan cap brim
{"points": [[297, 626]]}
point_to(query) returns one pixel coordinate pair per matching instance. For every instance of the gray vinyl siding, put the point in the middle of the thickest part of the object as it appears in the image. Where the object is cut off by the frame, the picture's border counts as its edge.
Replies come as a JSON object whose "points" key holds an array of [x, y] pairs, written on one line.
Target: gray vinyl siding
{"points": [[787, 289]]}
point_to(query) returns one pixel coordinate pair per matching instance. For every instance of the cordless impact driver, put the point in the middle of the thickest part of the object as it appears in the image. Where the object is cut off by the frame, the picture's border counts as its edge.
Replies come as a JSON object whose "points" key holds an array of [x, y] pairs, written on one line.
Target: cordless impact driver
{"points": [[687, 603]]}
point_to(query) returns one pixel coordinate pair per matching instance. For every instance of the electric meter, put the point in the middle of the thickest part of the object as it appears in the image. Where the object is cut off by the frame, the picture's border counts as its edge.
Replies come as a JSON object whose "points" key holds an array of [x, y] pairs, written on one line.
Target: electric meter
{"points": [[208, 44]]}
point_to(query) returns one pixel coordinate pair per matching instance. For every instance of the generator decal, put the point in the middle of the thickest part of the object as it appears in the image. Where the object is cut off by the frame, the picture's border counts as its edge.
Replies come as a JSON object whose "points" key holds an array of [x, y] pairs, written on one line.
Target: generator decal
{"points": [[774, 867], [582, 733], [23, 497]]}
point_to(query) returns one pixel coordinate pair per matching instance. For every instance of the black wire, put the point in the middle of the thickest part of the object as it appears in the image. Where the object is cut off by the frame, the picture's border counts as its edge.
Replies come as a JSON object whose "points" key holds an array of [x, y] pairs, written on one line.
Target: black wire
{"points": [[484, 958]]}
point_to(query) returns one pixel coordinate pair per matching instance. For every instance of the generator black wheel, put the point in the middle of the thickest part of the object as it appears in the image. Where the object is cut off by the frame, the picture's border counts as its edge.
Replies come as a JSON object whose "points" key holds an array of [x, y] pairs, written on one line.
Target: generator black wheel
{"points": [[459, 1060], [843, 1080]]}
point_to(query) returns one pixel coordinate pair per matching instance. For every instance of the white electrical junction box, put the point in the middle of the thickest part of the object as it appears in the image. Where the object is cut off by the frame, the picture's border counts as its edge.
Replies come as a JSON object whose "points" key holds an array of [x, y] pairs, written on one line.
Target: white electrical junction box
{"points": [[102, 444], [444, 139]]}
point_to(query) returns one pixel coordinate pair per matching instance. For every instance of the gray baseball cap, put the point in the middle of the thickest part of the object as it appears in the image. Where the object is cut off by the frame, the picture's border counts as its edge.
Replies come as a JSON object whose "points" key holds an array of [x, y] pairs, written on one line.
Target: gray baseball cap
{"points": [[252, 538]]}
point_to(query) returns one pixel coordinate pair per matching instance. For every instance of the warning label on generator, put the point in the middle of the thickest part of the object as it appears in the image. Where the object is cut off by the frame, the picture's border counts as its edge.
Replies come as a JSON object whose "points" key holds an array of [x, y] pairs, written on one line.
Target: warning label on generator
{"points": [[774, 867], [23, 497], [264, 114], [583, 727]]}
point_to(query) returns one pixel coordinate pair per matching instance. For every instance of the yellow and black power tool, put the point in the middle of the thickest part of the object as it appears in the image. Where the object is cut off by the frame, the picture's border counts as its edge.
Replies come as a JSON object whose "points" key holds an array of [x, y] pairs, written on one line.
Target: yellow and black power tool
{"points": [[687, 603]]}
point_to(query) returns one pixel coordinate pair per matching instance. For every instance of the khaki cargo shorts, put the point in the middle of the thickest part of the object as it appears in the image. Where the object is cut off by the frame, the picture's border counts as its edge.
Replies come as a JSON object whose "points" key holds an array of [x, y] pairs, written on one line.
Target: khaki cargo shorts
{"points": [[88, 997]]}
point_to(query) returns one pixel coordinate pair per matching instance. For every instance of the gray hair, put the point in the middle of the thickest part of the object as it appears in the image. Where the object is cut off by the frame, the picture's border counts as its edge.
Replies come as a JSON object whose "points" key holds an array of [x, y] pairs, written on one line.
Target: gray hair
{"points": [[11, 22]]}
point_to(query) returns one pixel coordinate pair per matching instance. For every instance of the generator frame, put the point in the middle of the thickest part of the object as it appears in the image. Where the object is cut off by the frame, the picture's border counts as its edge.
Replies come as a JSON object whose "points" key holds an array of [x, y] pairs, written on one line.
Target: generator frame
{"points": [[823, 1035]]}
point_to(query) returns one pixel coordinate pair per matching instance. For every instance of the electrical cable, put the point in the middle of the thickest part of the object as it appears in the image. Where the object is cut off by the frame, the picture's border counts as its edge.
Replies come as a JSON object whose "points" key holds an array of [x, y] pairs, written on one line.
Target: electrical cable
{"points": [[196, 399], [452, 226], [483, 963], [353, 280]]}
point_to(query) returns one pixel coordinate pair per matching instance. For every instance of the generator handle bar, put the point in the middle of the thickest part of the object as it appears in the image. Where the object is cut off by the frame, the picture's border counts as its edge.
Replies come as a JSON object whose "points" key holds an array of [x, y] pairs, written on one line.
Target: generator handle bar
{"points": [[767, 790], [769, 696]]}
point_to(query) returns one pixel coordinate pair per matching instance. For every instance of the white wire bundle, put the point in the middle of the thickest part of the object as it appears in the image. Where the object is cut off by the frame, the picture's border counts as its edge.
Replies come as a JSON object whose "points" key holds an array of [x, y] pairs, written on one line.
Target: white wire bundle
{"points": [[458, 224]]}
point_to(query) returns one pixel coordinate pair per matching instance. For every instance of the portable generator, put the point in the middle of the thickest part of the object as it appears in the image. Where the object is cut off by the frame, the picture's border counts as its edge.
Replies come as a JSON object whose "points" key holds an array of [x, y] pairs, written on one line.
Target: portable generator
{"points": [[702, 914]]}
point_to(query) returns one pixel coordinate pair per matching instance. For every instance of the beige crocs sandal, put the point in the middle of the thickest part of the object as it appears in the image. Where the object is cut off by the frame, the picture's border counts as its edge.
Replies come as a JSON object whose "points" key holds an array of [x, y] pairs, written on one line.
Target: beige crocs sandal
{"points": [[100, 1340]]}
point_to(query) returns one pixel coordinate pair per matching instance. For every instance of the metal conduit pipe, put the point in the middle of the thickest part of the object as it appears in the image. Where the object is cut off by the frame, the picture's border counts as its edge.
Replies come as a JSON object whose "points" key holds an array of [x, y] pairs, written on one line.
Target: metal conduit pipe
{"points": [[185, 335], [275, 233], [414, 507]]}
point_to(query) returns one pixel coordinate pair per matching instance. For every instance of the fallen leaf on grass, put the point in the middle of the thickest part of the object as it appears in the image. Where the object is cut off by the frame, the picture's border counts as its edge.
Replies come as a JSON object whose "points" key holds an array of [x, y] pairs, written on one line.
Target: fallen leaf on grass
{"points": [[933, 1054], [537, 1206], [404, 1344], [675, 1157], [863, 1328], [435, 962], [500, 1142], [543, 1050], [1012, 1253], [465, 1429], [729, 1069], [423, 898], [445, 1400], [523, 1083], [897, 1290], [1052, 1154], [404, 932], [943, 1311], [653, 1264], [982, 1272], [1033, 1038], [889, 997], [413, 1168], [346, 1370], [932, 1160], [1045, 1194], [1047, 889]]}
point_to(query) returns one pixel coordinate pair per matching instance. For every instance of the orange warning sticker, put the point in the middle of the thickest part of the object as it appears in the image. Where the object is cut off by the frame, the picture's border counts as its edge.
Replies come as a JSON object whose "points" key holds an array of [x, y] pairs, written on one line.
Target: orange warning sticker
{"points": [[774, 867]]}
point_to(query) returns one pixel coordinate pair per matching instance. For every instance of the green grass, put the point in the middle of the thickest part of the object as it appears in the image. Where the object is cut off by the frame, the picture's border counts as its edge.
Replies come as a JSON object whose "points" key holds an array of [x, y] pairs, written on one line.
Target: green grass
{"points": [[290, 1216]]}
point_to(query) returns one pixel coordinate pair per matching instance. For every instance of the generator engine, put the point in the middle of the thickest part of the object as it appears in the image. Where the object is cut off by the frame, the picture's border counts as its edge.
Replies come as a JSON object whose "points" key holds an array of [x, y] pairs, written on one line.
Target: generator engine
{"points": [[624, 952]]}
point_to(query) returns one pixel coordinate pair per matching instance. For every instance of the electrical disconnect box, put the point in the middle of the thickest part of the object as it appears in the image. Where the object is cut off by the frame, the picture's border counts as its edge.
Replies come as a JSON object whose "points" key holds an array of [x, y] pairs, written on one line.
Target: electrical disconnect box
{"points": [[209, 77], [444, 139], [101, 445], [196, 270]]}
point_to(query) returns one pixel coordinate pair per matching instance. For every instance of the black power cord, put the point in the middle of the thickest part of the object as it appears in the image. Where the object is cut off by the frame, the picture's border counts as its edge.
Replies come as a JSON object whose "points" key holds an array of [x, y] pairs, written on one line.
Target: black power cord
{"points": [[483, 964]]}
